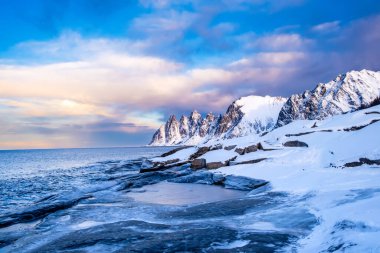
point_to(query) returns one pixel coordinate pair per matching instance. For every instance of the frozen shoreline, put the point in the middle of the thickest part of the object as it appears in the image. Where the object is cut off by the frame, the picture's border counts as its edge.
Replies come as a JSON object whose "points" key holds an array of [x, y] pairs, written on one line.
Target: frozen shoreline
{"points": [[339, 169]]}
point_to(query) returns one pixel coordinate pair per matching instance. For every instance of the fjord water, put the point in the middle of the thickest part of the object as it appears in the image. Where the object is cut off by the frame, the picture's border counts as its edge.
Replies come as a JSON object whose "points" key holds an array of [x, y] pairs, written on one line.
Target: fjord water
{"points": [[29, 175], [81, 200]]}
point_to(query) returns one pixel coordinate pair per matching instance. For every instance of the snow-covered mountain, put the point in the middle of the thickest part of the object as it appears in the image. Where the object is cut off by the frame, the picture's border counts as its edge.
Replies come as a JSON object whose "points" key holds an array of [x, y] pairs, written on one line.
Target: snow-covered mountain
{"points": [[348, 92], [255, 114], [247, 115]]}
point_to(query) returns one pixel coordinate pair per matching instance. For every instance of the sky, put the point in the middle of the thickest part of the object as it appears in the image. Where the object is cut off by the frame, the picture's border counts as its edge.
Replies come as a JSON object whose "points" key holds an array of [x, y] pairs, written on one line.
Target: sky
{"points": [[94, 73]]}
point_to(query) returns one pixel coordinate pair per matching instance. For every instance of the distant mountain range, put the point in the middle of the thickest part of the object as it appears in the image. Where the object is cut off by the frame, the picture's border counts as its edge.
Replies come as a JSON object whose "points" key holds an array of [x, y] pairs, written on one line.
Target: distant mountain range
{"points": [[256, 114]]}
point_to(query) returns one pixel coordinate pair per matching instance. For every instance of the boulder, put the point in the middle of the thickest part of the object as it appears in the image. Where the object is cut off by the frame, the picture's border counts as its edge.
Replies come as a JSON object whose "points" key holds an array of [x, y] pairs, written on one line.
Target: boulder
{"points": [[228, 162], [243, 183], [240, 151], [295, 144], [201, 151], [216, 147], [214, 165], [230, 147], [260, 146], [158, 164], [250, 149], [197, 164]]}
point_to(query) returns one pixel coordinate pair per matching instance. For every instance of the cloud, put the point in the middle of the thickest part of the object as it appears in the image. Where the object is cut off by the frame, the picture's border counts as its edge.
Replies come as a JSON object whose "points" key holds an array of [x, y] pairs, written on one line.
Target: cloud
{"points": [[279, 42], [327, 27]]}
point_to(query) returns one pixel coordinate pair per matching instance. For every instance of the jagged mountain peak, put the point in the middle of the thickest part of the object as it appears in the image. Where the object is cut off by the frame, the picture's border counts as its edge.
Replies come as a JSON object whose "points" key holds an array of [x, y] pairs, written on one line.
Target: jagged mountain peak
{"points": [[347, 92], [255, 114], [239, 120]]}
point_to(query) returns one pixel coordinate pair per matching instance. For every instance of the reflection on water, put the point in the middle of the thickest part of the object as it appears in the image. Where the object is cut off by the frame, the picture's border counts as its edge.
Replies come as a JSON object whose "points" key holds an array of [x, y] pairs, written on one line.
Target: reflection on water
{"points": [[183, 194]]}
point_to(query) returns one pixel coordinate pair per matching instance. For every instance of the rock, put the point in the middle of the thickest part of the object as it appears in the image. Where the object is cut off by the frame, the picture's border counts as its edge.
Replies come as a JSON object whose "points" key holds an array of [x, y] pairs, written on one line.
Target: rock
{"points": [[356, 128], [214, 165], [164, 166], [249, 161], [228, 162], [240, 151], [230, 147], [201, 151], [158, 164], [295, 144], [260, 146], [41, 209], [200, 177], [197, 164], [216, 147], [353, 164], [250, 149], [243, 183], [362, 161], [173, 151]]}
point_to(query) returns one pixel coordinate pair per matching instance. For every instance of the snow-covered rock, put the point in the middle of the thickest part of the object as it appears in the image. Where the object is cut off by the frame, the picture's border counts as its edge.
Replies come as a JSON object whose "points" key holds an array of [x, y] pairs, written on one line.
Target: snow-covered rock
{"points": [[348, 92]]}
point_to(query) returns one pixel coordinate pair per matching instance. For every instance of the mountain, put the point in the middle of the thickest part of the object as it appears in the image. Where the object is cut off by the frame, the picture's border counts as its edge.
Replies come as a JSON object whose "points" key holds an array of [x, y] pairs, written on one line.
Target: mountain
{"points": [[348, 92], [247, 115], [254, 114]]}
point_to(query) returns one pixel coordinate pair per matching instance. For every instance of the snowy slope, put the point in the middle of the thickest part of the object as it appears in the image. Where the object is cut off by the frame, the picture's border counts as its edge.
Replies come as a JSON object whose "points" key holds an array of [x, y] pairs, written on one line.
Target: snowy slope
{"points": [[348, 92], [345, 199], [259, 114], [247, 115]]}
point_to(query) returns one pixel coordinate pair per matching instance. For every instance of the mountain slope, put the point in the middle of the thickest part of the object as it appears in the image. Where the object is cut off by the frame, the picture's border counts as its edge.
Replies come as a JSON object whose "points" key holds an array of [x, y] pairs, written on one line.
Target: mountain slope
{"points": [[247, 115], [348, 92]]}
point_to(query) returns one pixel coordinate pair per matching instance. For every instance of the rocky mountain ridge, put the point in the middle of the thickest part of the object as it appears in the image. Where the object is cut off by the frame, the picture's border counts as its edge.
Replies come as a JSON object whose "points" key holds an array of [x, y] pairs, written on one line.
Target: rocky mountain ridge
{"points": [[255, 114], [348, 92], [247, 115]]}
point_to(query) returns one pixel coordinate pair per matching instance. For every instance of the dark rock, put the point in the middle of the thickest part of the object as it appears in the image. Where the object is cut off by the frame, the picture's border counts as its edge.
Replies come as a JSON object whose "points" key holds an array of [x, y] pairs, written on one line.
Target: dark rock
{"points": [[240, 151], [157, 164], [260, 146], [250, 149], [228, 162], [295, 144], [230, 147], [361, 162], [197, 164], [147, 178], [299, 134], [42, 209], [216, 147], [356, 128], [164, 166], [353, 164], [372, 112], [201, 151], [243, 183], [249, 161], [214, 165], [369, 161], [171, 152]]}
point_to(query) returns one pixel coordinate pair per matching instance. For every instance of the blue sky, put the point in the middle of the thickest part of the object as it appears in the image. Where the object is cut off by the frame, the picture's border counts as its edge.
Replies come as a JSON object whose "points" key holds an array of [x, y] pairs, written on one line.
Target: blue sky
{"points": [[79, 73]]}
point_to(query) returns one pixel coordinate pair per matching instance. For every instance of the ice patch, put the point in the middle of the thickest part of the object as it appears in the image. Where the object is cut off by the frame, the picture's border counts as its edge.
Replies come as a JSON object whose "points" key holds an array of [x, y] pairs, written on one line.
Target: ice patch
{"points": [[232, 245]]}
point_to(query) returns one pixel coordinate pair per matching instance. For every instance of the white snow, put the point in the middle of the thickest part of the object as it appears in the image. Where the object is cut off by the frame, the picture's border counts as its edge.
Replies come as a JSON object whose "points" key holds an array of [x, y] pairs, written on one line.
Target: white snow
{"points": [[345, 200]]}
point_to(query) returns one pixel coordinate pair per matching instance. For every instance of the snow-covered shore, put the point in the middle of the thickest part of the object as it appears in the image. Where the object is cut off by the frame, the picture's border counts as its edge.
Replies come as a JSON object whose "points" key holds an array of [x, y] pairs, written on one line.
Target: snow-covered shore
{"points": [[339, 171]]}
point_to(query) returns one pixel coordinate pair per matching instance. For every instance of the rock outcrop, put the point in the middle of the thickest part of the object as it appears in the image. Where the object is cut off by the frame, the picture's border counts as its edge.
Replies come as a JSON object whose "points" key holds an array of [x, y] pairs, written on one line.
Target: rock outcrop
{"points": [[248, 115], [348, 92]]}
